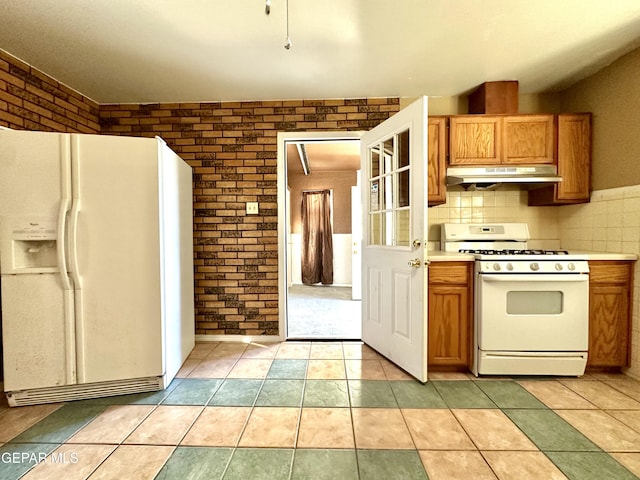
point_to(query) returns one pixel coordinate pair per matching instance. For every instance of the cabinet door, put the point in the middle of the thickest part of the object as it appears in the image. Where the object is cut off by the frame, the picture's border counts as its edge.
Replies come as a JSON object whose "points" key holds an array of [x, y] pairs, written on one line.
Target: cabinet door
{"points": [[449, 335], [574, 163], [528, 139], [437, 156], [450, 314], [610, 284], [475, 140], [574, 157], [608, 326]]}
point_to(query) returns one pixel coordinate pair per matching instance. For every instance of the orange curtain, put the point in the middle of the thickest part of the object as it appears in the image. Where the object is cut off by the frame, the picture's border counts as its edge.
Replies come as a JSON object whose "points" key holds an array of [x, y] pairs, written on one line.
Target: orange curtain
{"points": [[317, 238]]}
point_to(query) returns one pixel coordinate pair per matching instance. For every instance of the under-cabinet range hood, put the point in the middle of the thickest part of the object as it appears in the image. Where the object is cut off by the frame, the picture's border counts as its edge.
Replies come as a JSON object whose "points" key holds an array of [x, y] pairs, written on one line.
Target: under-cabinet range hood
{"points": [[537, 175]]}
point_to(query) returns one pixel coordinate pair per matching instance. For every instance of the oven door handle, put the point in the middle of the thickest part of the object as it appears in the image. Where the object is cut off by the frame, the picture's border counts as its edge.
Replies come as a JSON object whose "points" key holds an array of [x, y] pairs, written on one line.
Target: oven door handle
{"points": [[526, 277]]}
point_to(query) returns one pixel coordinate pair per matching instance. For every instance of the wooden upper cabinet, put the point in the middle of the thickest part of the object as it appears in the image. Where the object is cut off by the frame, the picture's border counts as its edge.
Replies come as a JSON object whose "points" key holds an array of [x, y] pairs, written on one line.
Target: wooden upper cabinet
{"points": [[505, 139], [574, 163], [475, 140], [528, 139], [437, 190], [574, 157]]}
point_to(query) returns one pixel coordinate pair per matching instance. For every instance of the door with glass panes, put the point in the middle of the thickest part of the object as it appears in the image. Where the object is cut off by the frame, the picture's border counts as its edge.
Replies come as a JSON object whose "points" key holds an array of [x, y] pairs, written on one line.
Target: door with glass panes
{"points": [[394, 291]]}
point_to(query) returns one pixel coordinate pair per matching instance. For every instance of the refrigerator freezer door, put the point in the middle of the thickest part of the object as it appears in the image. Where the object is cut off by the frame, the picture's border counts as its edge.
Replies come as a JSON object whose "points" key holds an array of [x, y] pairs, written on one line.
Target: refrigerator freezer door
{"points": [[32, 184], [117, 253], [36, 352], [37, 313]]}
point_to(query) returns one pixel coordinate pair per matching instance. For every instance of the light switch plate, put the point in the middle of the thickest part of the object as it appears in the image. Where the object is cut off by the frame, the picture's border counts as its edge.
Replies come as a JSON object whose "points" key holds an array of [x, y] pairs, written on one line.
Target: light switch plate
{"points": [[252, 208]]}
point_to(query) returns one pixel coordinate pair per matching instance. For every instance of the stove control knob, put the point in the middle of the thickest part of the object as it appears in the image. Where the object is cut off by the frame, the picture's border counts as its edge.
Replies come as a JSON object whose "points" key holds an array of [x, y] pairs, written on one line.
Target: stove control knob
{"points": [[558, 266], [509, 266], [535, 267], [571, 266], [496, 266]]}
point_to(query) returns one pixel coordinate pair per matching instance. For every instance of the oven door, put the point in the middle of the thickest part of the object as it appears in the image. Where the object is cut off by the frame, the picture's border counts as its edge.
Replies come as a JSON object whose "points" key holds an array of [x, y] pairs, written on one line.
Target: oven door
{"points": [[533, 312]]}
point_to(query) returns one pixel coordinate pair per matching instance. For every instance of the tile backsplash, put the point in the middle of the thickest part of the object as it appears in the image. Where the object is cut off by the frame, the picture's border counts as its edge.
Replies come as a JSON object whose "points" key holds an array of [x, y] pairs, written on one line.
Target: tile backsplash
{"points": [[505, 204], [609, 223]]}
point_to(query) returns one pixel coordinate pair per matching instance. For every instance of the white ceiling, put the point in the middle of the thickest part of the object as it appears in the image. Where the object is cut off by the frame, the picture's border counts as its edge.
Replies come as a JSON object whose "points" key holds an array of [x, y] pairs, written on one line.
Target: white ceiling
{"points": [[139, 51], [325, 156]]}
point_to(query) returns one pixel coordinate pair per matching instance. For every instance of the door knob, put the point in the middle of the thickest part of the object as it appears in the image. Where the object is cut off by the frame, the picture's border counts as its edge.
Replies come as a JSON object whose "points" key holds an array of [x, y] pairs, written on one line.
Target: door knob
{"points": [[416, 243], [415, 263]]}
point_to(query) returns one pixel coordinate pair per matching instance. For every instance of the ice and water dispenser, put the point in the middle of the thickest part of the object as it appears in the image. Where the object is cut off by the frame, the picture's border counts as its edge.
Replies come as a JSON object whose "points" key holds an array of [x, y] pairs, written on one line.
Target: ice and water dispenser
{"points": [[29, 246]]}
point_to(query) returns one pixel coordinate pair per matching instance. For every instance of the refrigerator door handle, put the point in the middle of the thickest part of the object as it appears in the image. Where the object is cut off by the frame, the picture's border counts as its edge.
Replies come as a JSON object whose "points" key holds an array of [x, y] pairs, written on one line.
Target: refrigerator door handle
{"points": [[65, 201], [73, 244], [73, 254], [75, 211], [63, 245], [77, 294]]}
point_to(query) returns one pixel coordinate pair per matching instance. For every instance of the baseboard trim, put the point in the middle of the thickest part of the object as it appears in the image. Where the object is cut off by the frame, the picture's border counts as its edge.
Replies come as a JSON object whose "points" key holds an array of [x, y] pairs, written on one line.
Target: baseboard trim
{"points": [[240, 338]]}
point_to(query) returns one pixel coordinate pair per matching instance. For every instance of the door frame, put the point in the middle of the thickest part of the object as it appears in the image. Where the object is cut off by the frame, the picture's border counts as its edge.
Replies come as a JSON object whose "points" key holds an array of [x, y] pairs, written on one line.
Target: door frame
{"points": [[283, 227]]}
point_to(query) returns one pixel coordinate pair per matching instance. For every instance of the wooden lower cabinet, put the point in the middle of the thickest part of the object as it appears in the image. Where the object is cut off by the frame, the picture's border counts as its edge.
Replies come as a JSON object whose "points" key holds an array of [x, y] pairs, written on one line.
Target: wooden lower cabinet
{"points": [[610, 286], [450, 320]]}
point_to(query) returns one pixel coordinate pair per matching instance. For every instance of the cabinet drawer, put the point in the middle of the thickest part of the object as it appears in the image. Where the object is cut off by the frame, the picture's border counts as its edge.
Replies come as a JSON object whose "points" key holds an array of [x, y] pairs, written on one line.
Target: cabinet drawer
{"points": [[449, 273], [609, 272]]}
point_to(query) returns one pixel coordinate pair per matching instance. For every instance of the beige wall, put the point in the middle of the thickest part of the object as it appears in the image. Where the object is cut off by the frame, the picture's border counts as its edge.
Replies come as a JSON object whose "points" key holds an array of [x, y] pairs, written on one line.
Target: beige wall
{"points": [[613, 95]]}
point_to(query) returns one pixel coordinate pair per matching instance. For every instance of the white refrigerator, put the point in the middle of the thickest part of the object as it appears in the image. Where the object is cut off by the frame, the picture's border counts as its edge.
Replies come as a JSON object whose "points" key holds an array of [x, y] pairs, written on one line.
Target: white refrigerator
{"points": [[96, 265]]}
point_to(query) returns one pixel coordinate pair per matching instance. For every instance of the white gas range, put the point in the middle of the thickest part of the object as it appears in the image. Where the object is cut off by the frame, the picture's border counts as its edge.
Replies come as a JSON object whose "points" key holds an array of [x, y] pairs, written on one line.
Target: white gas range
{"points": [[531, 306]]}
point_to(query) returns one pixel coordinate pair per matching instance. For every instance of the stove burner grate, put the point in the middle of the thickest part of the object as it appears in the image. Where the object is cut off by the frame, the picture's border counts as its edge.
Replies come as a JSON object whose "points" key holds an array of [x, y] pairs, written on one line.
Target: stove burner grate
{"points": [[515, 252]]}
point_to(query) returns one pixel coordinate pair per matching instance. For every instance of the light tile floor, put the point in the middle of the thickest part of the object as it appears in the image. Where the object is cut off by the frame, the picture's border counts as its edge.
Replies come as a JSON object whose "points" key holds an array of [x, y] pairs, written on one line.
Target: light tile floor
{"points": [[331, 410]]}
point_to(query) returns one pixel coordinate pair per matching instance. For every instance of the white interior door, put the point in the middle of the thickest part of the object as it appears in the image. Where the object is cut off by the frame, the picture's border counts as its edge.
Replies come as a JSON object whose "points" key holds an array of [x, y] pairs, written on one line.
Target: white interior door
{"points": [[394, 291]]}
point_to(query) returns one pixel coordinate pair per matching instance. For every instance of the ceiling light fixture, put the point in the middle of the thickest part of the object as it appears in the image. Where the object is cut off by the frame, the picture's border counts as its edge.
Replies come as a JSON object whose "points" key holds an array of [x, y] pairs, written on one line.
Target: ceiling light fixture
{"points": [[304, 159], [267, 10], [287, 42]]}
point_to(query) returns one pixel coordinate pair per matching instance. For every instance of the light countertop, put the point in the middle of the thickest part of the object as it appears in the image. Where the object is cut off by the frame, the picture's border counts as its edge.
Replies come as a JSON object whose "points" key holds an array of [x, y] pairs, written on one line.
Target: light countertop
{"points": [[605, 255], [442, 256]]}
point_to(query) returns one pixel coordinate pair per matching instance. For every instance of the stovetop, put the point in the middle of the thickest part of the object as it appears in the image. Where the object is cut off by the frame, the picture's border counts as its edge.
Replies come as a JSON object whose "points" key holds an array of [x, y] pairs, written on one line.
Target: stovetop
{"points": [[503, 248], [528, 261], [514, 252]]}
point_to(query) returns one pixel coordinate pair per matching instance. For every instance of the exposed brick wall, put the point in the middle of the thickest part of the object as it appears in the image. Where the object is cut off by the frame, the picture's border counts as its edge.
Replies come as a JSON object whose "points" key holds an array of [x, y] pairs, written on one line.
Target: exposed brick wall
{"points": [[232, 148], [32, 100]]}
